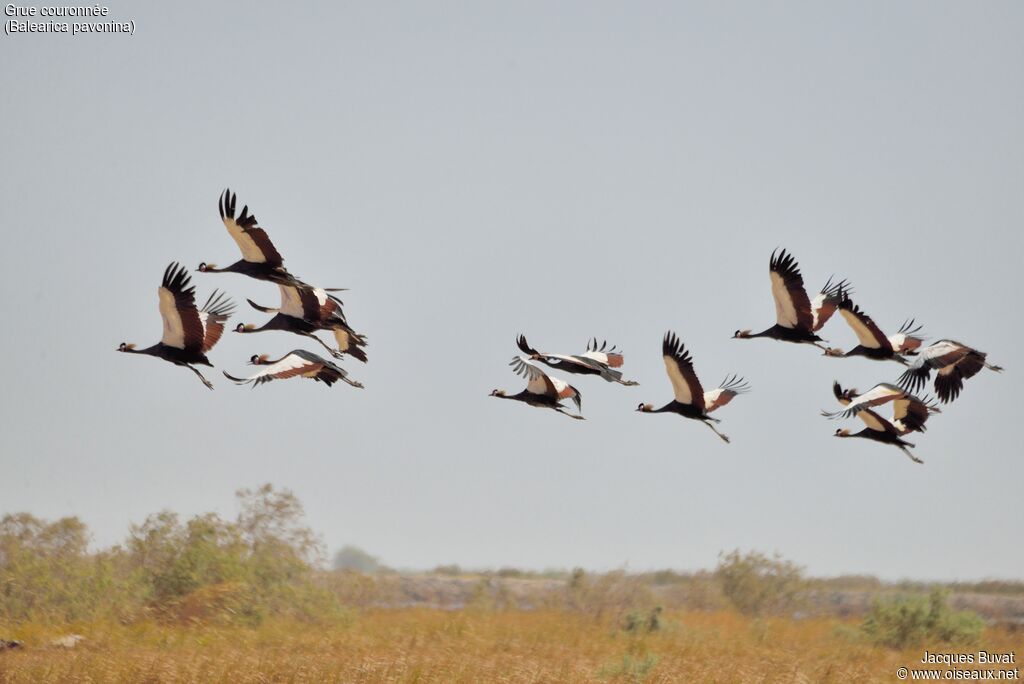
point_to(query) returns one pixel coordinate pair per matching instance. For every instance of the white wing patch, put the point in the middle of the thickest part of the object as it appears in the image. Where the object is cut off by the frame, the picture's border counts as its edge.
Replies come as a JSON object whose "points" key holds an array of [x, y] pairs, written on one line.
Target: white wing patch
{"points": [[561, 386], [942, 353], [878, 395], [717, 398], [785, 312], [174, 331], [817, 305], [290, 362]]}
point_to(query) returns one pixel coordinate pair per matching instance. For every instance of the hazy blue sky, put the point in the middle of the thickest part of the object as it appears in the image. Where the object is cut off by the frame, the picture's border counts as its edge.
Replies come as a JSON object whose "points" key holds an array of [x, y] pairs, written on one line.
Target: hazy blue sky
{"points": [[476, 170]]}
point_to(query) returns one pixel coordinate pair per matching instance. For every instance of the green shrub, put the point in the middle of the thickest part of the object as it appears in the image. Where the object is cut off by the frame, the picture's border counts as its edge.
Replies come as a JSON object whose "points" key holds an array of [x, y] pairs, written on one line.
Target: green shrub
{"points": [[915, 620]]}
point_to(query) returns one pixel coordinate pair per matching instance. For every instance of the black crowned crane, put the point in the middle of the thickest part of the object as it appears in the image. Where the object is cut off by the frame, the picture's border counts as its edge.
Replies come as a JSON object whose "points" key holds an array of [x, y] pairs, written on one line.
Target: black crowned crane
{"points": [[595, 361], [909, 414], [797, 318], [542, 390], [691, 401], [874, 344], [189, 333], [296, 364], [260, 259], [955, 362], [316, 309]]}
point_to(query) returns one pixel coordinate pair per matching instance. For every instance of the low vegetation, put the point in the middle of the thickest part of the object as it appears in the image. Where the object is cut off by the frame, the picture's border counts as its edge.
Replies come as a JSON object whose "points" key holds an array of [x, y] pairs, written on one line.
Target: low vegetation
{"points": [[921, 620], [251, 599]]}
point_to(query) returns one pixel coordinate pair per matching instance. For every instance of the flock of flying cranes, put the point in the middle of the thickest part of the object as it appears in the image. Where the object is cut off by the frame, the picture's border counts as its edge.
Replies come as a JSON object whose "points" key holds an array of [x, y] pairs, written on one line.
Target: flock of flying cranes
{"points": [[798, 320], [190, 332]]}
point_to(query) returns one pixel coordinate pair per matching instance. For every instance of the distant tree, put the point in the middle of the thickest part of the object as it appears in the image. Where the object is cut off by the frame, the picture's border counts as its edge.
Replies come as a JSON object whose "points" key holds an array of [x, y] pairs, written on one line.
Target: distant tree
{"points": [[44, 568], [354, 558], [757, 584]]}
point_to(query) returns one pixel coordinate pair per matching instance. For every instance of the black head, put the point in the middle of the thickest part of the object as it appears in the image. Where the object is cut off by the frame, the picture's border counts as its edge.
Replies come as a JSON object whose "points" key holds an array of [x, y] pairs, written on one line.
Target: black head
{"points": [[240, 328], [497, 393], [203, 267], [125, 347]]}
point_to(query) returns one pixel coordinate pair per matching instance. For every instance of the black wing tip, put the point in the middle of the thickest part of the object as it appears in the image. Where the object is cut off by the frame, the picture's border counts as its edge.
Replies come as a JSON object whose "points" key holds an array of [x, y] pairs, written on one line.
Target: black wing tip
{"points": [[577, 398], [239, 381], [785, 264], [177, 279], [227, 204], [523, 345], [592, 346], [837, 390], [358, 353], [736, 384], [218, 304]]}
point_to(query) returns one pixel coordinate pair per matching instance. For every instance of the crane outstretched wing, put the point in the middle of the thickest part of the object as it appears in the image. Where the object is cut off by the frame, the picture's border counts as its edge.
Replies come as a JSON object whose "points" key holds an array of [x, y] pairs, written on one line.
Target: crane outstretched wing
{"points": [[826, 302], [183, 328], [868, 333], [876, 422], [792, 307], [908, 339], [295, 364], [910, 413], [679, 366], [933, 357], [214, 314], [876, 396], [724, 393], [610, 358], [949, 381], [540, 383], [537, 381], [252, 240]]}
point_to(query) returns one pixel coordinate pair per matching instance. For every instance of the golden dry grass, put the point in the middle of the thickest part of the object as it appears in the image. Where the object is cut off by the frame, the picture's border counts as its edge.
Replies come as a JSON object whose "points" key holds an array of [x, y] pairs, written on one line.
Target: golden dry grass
{"points": [[427, 645]]}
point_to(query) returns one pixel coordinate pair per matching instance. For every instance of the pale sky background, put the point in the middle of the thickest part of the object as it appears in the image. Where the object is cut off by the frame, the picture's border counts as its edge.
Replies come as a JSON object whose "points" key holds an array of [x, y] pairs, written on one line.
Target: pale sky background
{"points": [[476, 170]]}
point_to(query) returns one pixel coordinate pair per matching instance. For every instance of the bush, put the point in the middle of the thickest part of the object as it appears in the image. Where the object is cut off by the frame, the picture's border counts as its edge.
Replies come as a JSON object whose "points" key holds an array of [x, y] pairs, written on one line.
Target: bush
{"points": [[263, 562], [914, 620], [756, 584]]}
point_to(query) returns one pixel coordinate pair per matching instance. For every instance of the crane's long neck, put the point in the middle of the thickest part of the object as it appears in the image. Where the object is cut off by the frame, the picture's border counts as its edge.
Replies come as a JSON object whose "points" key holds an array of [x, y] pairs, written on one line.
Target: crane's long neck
{"points": [[649, 408], [274, 323], [148, 351]]}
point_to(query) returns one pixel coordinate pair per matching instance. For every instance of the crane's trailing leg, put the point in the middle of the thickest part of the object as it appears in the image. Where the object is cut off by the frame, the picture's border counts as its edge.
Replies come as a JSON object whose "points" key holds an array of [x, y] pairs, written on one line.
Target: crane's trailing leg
{"points": [[205, 381], [334, 352], [571, 415], [911, 456], [715, 430], [628, 383]]}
